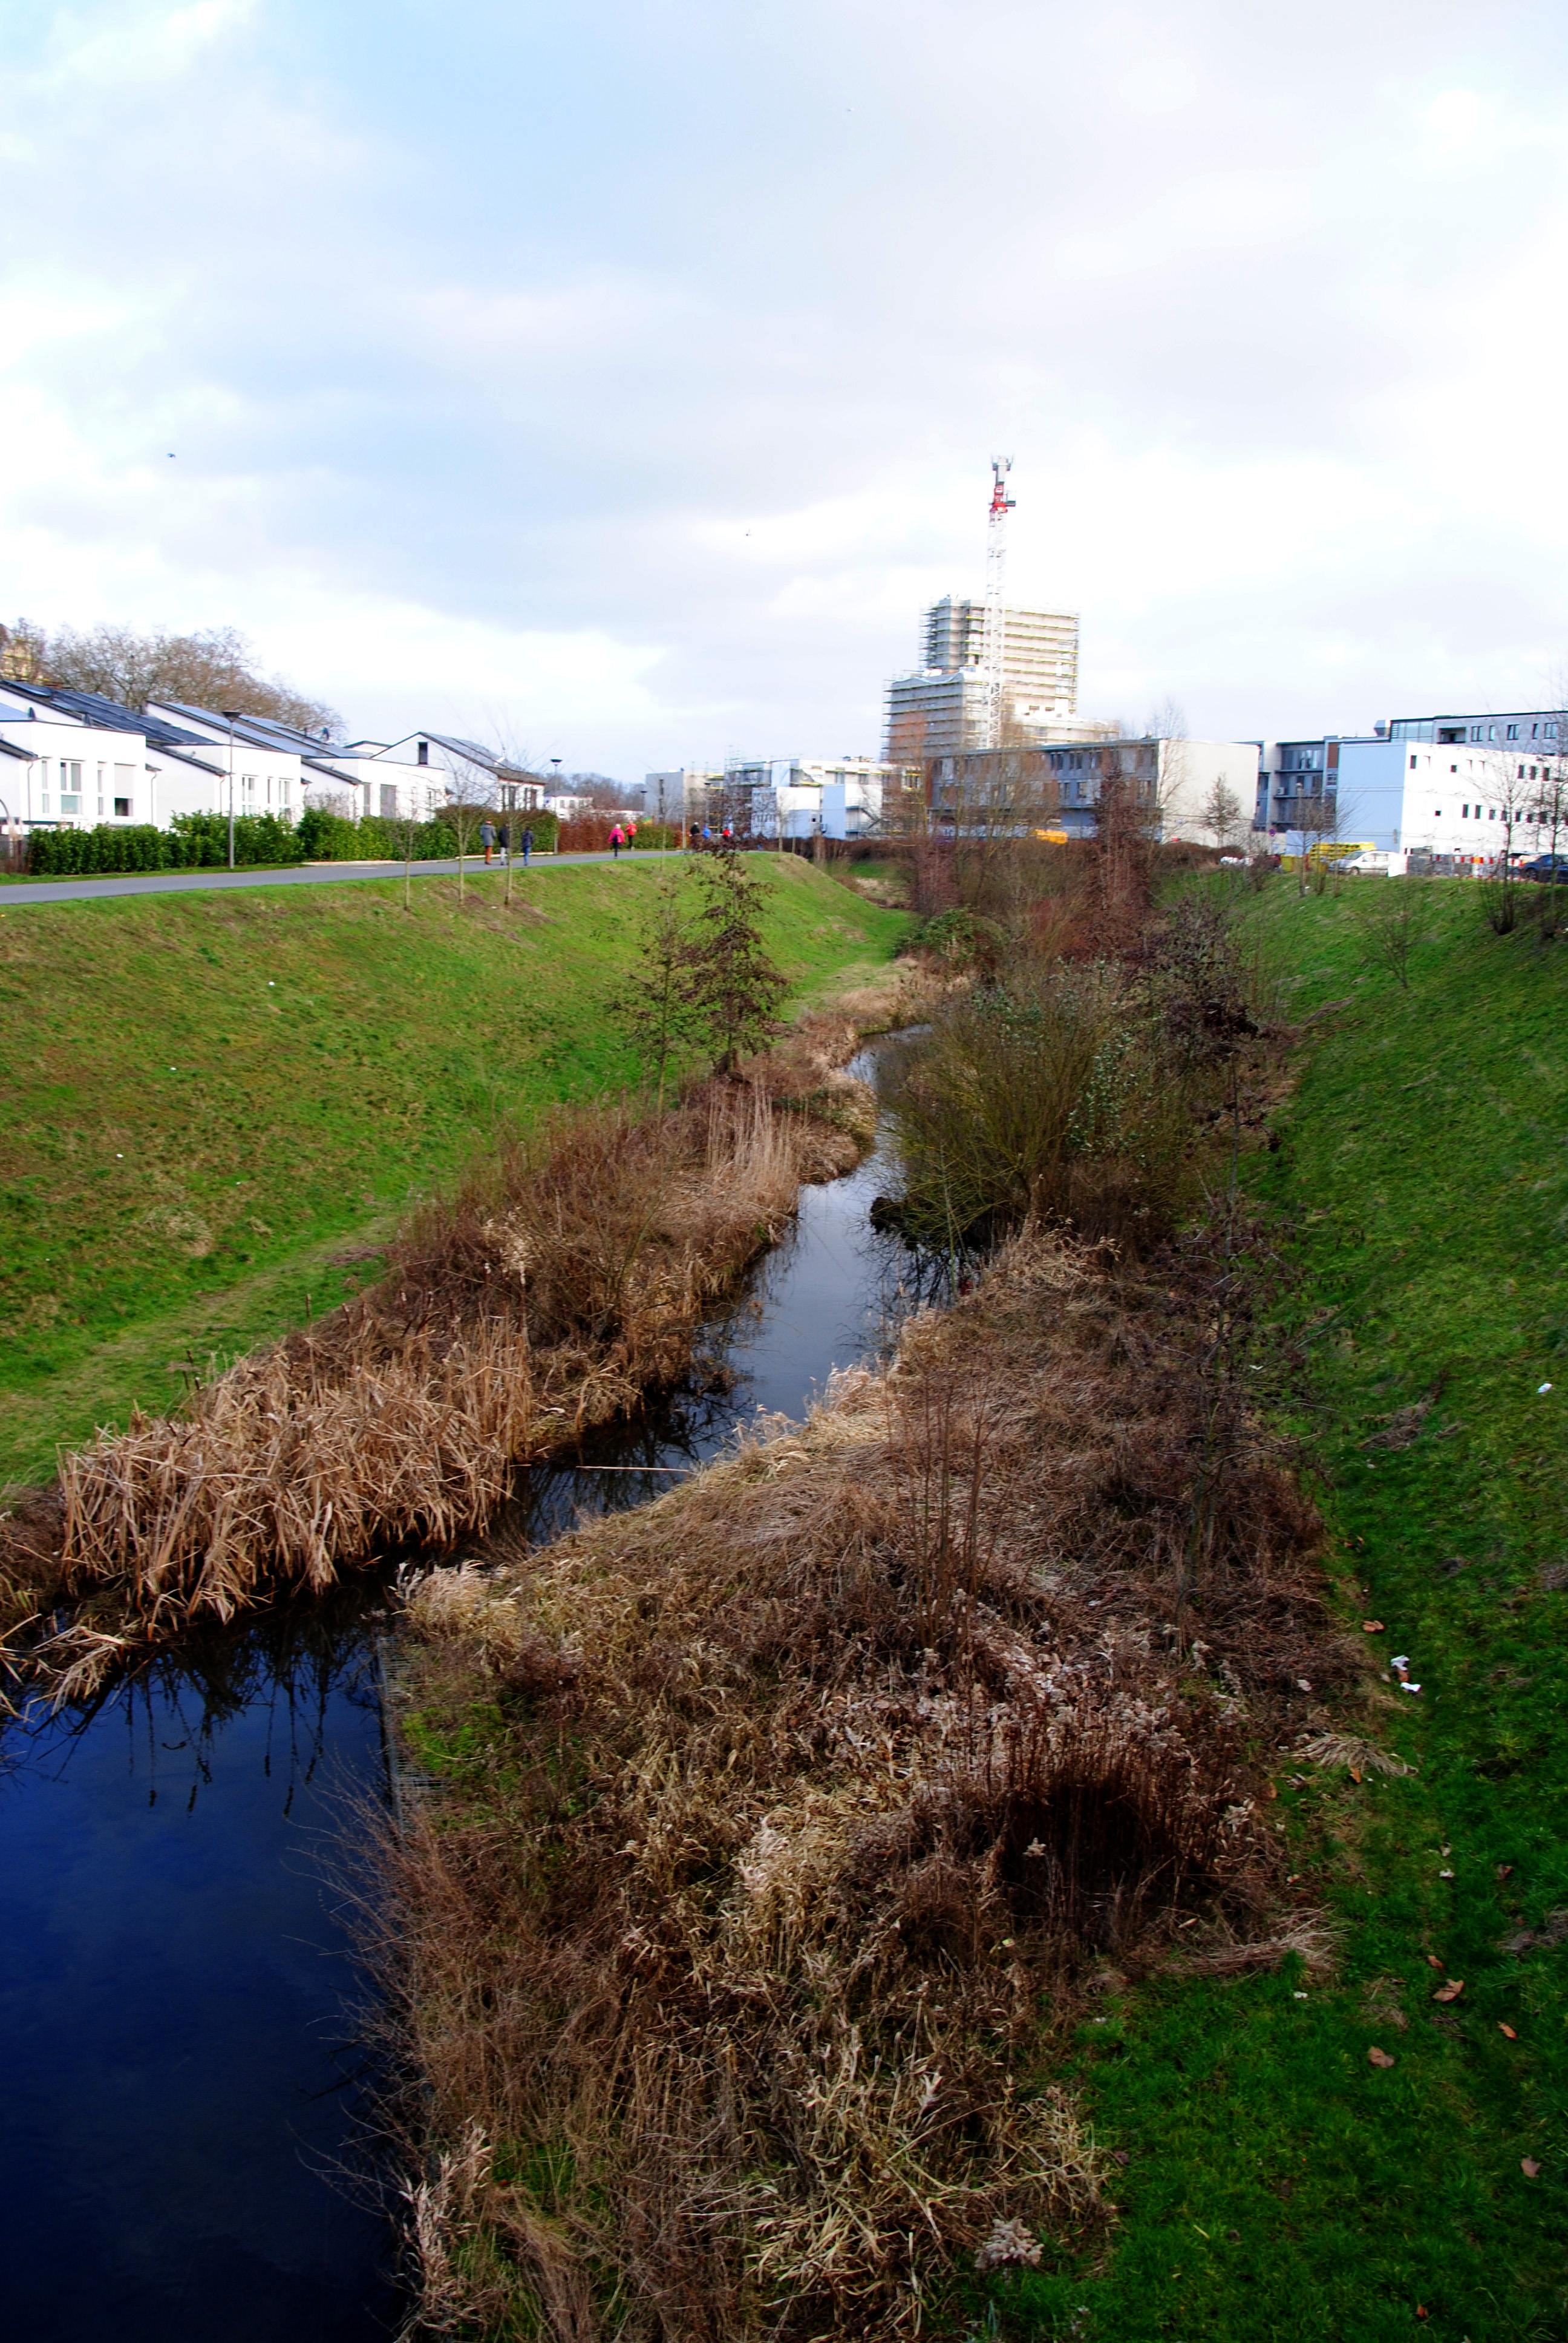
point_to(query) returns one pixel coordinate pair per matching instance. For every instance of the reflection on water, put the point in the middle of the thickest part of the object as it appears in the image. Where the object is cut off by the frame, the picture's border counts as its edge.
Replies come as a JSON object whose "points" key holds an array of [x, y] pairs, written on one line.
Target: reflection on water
{"points": [[174, 1967], [833, 1294], [172, 1990]]}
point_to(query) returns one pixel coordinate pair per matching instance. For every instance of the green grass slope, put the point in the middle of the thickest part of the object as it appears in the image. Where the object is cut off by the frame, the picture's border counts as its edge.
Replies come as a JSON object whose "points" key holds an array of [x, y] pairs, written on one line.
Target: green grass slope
{"points": [[211, 1098], [1276, 2185]]}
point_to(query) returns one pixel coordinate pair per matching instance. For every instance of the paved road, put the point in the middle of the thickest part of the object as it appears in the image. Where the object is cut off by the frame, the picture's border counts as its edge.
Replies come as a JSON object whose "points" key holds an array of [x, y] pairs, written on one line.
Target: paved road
{"points": [[309, 874]]}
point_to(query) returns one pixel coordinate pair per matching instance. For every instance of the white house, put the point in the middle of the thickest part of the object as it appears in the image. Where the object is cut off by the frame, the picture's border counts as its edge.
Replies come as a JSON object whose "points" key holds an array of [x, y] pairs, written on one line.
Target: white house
{"points": [[418, 774], [73, 759]]}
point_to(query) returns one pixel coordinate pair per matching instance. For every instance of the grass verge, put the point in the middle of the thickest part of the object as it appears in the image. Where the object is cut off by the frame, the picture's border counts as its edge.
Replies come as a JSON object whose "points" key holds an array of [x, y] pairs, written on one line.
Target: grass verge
{"points": [[208, 1095], [1280, 2185]]}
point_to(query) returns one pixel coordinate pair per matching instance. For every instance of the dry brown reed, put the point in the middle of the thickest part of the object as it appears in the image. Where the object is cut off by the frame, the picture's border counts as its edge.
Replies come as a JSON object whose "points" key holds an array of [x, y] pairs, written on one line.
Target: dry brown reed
{"points": [[759, 1827], [567, 1276]]}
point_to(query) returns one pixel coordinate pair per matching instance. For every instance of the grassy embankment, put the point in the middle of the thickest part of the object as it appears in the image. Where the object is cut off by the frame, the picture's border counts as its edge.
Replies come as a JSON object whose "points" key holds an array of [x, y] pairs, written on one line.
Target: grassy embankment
{"points": [[1280, 2185], [1272, 2182], [212, 1098]]}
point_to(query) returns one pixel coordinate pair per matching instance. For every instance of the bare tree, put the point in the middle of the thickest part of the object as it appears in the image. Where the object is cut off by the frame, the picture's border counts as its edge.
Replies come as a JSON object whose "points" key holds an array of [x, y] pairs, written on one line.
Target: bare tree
{"points": [[470, 790], [1223, 816], [213, 669], [1550, 809], [1398, 921], [1509, 799]]}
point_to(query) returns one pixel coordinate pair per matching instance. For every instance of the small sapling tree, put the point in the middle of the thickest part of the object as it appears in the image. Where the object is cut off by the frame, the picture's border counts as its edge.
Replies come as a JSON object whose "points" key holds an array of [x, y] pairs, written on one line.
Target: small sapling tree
{"points": [[1398, 922], [728, 985], [656, 1012]]}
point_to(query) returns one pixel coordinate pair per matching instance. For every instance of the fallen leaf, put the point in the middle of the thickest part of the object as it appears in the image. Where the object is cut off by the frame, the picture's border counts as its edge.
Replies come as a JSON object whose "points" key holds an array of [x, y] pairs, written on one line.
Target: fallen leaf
{"points": [[1528, 2166], [1377, 2058], [1450, 1991], [1503, 1869], [1355, 1773], [1372, 1627], [1271, 1792], [1432, 1962], [1420, 2310], [1508, 2030], [1121, 2155]]}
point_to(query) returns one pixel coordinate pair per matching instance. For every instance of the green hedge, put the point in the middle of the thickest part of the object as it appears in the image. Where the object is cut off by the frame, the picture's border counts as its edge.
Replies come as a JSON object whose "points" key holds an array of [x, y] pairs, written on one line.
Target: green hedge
{"points": [[199, 841], [194, 841]]}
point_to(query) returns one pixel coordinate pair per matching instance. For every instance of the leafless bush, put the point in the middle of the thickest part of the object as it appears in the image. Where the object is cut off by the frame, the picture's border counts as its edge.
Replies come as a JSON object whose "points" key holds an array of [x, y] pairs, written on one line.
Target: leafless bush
{"points": [[566, 1278], [816, 1775]]}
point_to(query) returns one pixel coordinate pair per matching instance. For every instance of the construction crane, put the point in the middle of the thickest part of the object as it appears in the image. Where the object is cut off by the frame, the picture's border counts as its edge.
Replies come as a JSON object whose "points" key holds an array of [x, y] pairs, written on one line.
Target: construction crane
{"points": [[1001, 504]]}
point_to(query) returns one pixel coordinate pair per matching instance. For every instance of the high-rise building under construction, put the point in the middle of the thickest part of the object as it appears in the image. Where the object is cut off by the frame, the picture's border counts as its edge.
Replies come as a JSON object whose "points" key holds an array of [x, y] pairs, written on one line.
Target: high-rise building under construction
{"points": [[945, 707]]}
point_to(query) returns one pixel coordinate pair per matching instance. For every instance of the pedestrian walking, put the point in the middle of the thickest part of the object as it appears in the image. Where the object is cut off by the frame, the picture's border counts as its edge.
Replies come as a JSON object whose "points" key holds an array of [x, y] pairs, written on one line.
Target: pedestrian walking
{"points": [[616, 840], [527, 846], [487, 838]]}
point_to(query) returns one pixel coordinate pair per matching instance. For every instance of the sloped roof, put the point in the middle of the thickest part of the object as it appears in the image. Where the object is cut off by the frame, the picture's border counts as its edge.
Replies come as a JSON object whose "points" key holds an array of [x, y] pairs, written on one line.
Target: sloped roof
{"points": [[259, 731], [109, 716]]}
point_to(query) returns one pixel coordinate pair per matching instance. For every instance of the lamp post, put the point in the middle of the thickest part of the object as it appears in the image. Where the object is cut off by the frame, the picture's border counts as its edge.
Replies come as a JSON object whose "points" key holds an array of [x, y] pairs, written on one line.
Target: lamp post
{"points": [[231, 716]]}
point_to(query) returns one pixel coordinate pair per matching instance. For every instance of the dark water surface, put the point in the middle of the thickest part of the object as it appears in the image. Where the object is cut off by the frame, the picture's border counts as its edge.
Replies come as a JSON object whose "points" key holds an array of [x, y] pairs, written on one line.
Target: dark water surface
{"points": [[177, 2082]]}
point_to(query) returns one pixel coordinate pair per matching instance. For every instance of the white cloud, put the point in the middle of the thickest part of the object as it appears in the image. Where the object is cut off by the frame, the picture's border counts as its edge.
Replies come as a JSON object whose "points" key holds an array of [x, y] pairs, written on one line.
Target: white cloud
{"points": [[634, 374], [126, 45]]}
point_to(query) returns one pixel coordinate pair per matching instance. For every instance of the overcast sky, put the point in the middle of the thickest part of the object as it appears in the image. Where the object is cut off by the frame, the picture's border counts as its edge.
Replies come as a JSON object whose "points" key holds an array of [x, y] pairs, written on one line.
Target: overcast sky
{"points": [[622, 379]]}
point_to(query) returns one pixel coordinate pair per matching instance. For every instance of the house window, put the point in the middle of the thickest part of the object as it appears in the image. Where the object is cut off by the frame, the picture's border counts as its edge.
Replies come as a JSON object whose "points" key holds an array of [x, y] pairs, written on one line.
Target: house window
{"points": [[122, 809], [1476, 731], [1514, 731], [1412, 764], [422, 753], [71, 803]]}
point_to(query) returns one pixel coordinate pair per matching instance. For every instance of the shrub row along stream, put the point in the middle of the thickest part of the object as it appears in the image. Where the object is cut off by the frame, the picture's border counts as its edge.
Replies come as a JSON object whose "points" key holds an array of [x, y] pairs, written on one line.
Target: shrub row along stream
{"points": [[567, 1278]]}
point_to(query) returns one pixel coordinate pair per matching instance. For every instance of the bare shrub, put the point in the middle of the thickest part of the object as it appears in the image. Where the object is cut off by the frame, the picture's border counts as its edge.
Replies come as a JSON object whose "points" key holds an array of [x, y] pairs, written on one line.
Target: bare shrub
{"points": [[566, 1277], [1052, 1095], [822, 1772]]}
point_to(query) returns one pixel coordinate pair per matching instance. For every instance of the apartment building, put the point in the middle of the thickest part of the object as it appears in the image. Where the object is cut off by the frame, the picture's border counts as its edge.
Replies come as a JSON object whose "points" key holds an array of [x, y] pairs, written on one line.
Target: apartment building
{"points": [[942, 708], [1448, 787]]}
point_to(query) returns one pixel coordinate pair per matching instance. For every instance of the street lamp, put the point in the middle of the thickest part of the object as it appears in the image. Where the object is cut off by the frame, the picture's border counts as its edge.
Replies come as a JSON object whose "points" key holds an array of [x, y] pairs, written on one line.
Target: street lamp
{"points": [[231, 717]]}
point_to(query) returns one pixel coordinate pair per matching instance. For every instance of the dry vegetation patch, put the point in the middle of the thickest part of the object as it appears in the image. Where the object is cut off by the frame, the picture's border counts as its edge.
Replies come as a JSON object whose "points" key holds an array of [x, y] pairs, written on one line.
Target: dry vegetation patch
{"points": [[567, 1278], [763, 1826]]}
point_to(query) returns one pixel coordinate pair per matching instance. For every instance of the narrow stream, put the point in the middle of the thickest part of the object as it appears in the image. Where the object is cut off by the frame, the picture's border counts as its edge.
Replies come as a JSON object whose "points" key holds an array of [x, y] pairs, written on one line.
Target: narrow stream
{"points": [[180, 2084]]}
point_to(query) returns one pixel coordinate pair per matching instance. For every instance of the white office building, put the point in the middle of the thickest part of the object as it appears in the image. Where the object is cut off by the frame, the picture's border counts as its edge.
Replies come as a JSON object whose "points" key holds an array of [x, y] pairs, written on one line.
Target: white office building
{"points": [[1447, 788]]}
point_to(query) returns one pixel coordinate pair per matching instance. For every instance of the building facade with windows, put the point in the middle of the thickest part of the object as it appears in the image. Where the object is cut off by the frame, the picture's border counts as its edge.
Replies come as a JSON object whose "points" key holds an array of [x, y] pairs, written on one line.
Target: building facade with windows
{"points": [[1459, 790], [942, 708], [72, 760]]}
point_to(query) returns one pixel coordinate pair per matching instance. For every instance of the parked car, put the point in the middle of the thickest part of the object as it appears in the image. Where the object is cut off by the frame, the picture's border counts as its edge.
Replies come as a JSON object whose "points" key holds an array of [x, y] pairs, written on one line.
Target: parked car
{"points": [[1369, 864], [1546, 868]]}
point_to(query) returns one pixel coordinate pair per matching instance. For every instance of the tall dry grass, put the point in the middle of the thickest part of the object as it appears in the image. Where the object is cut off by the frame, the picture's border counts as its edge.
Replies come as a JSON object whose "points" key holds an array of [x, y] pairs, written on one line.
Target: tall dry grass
{"points": [[759, 1826], [567, 1276]]}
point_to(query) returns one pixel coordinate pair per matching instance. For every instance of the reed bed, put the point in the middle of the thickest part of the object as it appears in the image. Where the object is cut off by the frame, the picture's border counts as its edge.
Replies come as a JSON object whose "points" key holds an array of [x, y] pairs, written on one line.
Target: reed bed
{"points": [[567, 1278], [757, 1828]]}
